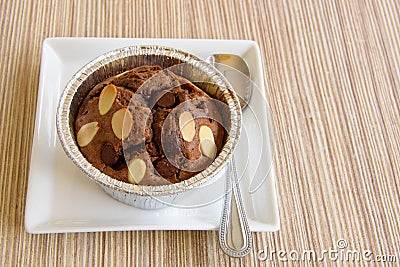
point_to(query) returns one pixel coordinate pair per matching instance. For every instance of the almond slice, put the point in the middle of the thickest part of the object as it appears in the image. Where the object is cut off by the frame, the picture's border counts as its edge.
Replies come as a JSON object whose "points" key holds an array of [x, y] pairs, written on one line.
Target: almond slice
{"points": [[121, 123], [208, 148], [205, 132], [107, 98], [136, 171], [207, 143], [187, 126], [86, 133]]}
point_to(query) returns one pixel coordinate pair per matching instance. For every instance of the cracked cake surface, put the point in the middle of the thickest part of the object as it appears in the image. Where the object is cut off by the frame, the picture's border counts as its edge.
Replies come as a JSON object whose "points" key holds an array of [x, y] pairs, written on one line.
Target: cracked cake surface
{"points": [[149, 126]]}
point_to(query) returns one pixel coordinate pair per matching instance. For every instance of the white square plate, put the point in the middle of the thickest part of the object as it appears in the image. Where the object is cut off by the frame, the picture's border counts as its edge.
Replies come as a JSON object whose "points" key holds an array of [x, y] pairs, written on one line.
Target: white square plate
{"points": [[61, 198]]}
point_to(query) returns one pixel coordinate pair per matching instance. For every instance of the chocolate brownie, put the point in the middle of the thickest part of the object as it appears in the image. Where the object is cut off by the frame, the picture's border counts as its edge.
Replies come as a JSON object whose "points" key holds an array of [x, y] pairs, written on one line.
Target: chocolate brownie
{"points": [[149, 126]]}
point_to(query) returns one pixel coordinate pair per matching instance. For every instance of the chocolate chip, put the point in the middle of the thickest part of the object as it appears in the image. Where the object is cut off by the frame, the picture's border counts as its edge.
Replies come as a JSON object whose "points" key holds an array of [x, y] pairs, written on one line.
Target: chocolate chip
{"points": [[167, 100], [165, 168], [121, 164], [108, 154]]}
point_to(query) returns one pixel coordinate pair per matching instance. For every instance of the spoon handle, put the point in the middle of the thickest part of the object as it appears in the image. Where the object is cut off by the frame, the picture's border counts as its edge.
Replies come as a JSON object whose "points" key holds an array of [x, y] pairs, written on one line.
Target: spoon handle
{"points": [[234, 233]]}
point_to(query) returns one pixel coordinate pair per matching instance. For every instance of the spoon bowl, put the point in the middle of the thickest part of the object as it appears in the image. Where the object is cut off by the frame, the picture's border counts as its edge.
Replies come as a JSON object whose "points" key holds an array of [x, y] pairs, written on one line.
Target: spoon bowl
{"points": [[230, 65]]}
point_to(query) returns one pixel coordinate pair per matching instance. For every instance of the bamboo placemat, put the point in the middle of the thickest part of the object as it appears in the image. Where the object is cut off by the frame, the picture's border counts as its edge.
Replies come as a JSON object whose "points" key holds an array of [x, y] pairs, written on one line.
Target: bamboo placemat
{"points": [[332, 74]]}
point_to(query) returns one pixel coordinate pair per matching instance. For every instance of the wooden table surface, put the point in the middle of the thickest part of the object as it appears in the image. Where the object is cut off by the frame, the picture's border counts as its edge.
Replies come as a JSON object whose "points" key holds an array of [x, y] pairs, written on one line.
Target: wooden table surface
{"points": [[332, 80]]}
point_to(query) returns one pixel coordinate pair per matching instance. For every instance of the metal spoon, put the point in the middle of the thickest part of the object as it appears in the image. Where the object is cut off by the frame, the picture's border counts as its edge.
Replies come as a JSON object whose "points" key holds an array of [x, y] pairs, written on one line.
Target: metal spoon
{"points": [[234, 232]]}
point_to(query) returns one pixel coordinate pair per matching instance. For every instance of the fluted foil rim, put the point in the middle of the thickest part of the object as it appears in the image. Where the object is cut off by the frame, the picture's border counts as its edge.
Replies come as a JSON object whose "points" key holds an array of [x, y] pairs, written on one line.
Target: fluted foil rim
{"points": [[66, 132]]}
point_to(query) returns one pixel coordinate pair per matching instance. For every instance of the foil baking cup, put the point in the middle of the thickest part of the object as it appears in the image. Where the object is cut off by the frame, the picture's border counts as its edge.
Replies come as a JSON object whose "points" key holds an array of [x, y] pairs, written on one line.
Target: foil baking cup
{"points": [[118, 61]]}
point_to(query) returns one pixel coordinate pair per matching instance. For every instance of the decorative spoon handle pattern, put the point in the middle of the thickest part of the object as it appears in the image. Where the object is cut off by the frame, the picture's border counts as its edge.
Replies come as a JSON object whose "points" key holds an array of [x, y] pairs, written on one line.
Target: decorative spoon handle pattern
{"points": [[234, 232]]}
